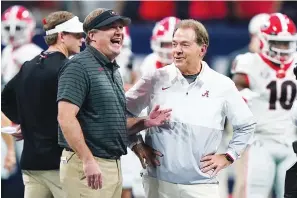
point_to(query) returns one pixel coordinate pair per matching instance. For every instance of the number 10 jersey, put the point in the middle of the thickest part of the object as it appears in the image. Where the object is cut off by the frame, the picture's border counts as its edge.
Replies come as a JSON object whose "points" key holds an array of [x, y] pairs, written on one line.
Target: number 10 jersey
{"points": [[275, 88]]}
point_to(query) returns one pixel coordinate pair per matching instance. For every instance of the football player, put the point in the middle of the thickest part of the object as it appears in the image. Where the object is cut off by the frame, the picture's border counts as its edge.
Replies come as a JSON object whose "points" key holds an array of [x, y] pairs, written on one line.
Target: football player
{"points": [[17, 31], [18, 27], [267, 83], [161, 44]]}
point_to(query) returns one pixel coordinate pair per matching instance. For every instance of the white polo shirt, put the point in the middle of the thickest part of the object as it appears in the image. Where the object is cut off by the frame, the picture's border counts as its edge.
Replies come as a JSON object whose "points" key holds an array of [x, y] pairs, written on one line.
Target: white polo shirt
{"points": [[199, 111]]}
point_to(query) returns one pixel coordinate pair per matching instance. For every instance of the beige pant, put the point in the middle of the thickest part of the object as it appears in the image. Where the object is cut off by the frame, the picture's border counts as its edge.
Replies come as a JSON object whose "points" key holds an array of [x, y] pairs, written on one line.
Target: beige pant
{"points": [[74, 182], [155, 188], [42, 184]]}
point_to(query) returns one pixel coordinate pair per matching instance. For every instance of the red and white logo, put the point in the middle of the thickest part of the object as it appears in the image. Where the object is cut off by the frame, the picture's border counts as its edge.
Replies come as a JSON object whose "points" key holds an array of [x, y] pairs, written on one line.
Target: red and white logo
{"points": [[206, 94]]}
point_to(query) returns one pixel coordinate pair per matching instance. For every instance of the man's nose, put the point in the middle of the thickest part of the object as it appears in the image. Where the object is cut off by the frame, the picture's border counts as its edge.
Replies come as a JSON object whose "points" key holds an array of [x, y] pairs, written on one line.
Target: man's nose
{"points": [[119, 30], [177, 49]]}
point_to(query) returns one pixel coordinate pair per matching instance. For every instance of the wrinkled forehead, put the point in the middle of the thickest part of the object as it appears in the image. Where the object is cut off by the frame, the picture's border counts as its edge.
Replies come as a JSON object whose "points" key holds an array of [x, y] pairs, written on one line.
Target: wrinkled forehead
{"points": [[184, 35]]}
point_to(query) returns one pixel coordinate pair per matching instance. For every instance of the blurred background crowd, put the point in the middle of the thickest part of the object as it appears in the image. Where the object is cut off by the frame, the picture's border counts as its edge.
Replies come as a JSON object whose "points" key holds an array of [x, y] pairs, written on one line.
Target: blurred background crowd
{"points": [[226, 21]]}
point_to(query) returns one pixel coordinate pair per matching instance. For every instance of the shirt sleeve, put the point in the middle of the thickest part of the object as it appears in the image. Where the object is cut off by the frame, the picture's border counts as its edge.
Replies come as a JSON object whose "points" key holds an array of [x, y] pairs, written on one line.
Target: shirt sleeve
{"points": [[242, 121], [138, 97], [73, 84]]}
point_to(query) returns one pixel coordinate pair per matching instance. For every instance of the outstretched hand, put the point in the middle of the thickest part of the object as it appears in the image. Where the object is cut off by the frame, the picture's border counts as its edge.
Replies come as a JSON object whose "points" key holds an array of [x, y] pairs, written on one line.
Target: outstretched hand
{"points": [[158, 117]]}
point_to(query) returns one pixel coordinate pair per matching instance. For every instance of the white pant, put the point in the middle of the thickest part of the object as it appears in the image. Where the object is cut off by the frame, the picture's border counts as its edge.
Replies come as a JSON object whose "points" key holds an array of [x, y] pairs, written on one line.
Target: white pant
{"points": [[155, 188], [5, 174], [131, 168], [267, 163]]}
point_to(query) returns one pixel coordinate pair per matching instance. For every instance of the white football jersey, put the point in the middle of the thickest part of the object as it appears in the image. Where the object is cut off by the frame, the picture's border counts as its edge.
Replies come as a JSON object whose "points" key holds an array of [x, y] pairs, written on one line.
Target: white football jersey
{"points": [[11, 62], [123, 60], [150, 63], [276, 93], [13, 59]]}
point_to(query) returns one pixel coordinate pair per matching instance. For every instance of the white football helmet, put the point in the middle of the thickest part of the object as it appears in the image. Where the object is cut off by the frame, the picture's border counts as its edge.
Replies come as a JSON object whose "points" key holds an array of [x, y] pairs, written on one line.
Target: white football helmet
{"points": [[279, 37], [256, 22], [17, 26], [161, 40]]}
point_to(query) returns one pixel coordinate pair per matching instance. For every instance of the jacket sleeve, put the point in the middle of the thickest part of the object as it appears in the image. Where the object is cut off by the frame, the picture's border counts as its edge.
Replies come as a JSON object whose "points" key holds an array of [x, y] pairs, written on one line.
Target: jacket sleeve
{"points": [[242, 121], [138, 98]]}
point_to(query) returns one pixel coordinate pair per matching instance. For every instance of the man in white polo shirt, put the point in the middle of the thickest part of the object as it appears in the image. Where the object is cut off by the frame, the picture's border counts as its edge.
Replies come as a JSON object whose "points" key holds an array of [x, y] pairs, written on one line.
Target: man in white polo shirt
{"points": [[200, 99]]}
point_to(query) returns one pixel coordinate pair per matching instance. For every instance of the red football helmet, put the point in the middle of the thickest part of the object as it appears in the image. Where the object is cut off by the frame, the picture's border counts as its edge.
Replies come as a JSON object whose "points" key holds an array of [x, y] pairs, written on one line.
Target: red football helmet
{"points": [[17, 26], [161, 40], [278, 36]]}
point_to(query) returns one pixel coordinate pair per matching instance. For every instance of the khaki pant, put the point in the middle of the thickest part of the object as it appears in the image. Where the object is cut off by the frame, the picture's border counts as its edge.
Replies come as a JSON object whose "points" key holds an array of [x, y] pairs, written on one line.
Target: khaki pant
{"points": [[155, 188], [42, 184], [75, 185]]}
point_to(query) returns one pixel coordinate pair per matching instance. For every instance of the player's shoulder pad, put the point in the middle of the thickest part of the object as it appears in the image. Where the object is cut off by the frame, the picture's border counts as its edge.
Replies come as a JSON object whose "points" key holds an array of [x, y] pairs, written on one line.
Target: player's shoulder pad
{"points": [[31, 48], [243, 63], [149, 60], [148, 63]]}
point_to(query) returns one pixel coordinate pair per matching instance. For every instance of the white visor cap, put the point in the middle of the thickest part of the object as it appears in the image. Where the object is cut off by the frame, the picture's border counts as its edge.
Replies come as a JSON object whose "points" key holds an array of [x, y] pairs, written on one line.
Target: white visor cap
{"points": [[72, 25]]}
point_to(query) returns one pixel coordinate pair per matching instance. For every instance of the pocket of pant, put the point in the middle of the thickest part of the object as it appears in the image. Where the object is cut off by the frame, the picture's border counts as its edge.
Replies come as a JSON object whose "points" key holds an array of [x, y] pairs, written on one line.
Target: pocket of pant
{"points": [[30, 177], [26, 177]]}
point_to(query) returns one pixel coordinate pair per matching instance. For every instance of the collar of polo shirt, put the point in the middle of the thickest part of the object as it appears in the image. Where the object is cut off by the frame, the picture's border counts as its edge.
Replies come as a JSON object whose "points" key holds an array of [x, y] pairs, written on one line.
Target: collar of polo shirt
{"points": [[200, 77]]}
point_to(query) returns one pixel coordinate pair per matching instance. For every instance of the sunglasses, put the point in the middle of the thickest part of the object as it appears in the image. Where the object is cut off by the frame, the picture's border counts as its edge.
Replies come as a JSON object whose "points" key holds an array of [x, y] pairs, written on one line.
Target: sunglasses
{"points": [[75, 35]]}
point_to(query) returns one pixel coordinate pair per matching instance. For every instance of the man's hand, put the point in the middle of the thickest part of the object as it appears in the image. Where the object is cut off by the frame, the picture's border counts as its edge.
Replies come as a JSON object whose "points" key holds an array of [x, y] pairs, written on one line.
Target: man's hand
{"points": [[93, 174], [147, 153], [10, 161], [214, 162], [18, 135], [158, 117]]}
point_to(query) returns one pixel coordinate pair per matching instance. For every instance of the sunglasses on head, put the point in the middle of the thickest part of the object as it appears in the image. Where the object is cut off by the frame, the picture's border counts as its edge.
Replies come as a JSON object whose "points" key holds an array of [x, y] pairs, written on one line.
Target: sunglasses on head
{"points": [[76, 35]]}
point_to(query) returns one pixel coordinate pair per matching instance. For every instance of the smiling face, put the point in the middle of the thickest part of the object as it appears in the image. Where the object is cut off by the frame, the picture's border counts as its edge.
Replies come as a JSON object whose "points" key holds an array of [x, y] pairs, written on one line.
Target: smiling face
{"points": [[108, 40], [185, 49]]}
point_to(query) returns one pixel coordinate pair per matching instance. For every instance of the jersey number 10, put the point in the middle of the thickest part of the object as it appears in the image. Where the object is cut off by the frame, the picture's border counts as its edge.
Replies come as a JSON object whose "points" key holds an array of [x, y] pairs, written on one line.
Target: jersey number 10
{"points": [[285, 101]]}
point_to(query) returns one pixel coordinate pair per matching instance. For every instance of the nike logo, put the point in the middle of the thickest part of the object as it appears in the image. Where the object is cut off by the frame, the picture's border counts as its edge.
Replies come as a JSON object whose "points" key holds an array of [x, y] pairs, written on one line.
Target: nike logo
{"points": [[164, 88]]}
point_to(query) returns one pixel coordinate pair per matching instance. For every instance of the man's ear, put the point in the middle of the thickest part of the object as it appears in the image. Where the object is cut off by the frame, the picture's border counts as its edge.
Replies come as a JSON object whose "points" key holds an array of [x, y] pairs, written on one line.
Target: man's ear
{"points": [[203, 50], [61, 36], [91, 36]]}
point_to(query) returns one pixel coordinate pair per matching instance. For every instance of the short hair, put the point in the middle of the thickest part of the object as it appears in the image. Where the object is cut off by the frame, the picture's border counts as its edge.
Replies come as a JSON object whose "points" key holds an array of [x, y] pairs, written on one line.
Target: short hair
{"points": [[51, 21], [200, 31], [89, 19]]}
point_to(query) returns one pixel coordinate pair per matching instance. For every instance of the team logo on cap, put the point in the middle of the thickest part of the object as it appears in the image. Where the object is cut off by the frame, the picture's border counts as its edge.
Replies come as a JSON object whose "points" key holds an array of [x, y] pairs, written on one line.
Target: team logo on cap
{"points": [[113, 12]]}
